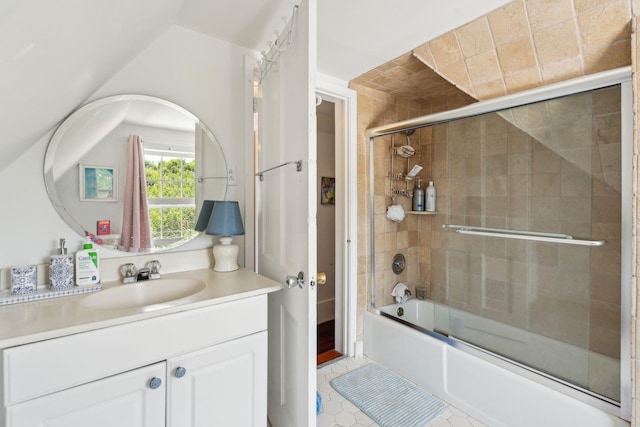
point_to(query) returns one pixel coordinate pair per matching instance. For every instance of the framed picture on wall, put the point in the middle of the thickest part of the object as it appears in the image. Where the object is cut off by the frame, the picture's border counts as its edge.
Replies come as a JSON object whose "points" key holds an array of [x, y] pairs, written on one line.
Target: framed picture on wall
{"points": [[98, 183], [328, 191]]}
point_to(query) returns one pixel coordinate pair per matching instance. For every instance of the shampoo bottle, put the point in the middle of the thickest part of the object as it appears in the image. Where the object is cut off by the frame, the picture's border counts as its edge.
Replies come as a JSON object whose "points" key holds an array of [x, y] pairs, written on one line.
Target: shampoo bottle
{"points": [[418, 197], [61, 269], [87, 265], [431, 198]]}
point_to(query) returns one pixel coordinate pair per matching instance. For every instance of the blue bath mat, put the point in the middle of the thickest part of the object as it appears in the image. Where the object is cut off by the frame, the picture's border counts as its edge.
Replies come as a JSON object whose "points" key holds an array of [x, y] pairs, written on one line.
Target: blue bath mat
{"points": [[388, 399]]}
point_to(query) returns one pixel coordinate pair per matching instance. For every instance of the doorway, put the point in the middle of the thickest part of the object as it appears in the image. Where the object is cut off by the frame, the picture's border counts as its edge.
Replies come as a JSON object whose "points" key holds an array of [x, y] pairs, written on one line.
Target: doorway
{"points": [[327, 347], [337, 109]]}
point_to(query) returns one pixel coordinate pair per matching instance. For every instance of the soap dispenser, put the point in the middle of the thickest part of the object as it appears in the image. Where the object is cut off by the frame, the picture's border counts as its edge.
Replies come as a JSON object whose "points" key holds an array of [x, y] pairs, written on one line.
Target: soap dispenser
{"points": [[61, 269]]}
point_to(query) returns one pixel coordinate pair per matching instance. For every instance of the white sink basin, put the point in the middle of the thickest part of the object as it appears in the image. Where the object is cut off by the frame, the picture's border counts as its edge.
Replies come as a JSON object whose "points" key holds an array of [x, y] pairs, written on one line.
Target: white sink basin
{"points": [[143, 294]]}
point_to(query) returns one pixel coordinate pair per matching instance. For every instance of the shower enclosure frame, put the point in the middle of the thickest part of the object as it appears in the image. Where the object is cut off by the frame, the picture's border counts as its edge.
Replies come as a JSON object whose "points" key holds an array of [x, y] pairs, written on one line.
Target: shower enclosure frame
{"points": [[620, 76]]}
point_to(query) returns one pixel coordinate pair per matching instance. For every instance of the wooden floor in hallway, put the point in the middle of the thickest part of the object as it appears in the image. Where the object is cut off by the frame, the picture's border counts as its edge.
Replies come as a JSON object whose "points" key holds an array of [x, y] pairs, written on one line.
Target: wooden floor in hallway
{"points": [[326, 342]]}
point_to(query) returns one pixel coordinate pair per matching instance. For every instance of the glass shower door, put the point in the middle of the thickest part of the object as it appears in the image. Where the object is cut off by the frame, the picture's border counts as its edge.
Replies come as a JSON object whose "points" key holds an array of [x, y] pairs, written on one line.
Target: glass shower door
{"points": [[530, 266]]}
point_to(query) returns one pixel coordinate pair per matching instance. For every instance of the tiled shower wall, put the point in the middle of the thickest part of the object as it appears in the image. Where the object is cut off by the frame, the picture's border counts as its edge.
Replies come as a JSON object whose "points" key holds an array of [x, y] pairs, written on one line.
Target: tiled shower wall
{"points": [[541, 168], [376, 108], [530, 43], [562, 39]]}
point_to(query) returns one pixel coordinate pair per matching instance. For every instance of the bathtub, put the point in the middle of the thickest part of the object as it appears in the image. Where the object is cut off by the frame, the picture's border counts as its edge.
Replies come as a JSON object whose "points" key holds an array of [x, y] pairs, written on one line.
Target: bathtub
{"points": [[492, 390]]}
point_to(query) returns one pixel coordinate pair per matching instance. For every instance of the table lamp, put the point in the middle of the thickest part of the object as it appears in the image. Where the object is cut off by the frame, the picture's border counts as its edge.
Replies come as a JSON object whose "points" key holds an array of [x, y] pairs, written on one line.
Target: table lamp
{"points": [[225, 221], [205, 215]]}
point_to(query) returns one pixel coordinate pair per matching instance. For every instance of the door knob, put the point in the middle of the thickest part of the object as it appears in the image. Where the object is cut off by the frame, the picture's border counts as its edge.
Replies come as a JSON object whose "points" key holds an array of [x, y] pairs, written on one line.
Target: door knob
{"points": [[322, 278], [292, 281]]}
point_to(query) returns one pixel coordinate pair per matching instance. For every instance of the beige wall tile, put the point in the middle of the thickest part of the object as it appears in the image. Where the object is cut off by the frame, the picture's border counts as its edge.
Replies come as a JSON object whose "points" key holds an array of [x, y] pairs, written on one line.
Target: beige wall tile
{"points": [[584, 5], [606, 24], [546, 13], [607, 57], [423, 53], [562, 70], [456, 72], [475, 37], [445, 50], [523, 80], [545, 185], [509, 22], [483, 67], [548, 50], [490, 89], [516, 55]]}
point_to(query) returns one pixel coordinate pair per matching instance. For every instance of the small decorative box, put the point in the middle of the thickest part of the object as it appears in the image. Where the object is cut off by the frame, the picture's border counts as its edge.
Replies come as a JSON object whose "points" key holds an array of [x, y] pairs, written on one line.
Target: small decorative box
{"points": [[24, 279]]}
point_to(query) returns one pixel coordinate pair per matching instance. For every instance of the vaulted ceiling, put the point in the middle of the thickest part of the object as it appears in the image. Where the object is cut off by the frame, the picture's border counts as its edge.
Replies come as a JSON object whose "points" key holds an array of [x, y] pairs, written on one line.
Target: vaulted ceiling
{"points": [[54, 55]]}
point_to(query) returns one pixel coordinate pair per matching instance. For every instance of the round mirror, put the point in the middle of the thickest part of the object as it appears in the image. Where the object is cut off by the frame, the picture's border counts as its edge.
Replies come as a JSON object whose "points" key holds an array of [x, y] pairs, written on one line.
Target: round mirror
{"points": [[90, 159]]}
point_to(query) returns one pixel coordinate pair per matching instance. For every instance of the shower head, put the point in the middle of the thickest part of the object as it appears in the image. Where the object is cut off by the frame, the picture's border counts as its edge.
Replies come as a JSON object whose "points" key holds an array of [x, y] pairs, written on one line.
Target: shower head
{"points": [[408, 133]]}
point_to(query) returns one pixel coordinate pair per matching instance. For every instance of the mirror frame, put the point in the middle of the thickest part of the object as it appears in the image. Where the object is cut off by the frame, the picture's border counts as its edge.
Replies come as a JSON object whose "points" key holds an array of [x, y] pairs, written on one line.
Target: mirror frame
{"points": [[92, 107]]}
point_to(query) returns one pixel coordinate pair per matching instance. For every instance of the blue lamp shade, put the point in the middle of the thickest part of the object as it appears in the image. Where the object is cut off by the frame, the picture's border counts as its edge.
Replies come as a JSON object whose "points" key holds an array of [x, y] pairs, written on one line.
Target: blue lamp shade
{"points": [[205, 215], [225, 219]]}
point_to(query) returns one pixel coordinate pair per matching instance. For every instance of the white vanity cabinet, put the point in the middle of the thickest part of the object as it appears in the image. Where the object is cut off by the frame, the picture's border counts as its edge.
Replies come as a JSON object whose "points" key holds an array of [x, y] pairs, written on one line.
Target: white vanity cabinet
{"points": [[209, 365], [127, 399], [224, 385]]}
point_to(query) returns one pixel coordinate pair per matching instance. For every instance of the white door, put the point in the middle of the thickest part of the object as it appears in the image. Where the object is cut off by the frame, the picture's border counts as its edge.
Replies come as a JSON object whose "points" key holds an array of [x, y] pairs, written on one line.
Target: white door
{"points": [[223, 385], [286, 221], [128, 399]]}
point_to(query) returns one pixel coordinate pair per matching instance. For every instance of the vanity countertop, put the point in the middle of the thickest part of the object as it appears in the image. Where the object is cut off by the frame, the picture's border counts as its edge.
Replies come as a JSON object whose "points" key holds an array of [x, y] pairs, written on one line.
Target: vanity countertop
{"points": [[41, 320]]}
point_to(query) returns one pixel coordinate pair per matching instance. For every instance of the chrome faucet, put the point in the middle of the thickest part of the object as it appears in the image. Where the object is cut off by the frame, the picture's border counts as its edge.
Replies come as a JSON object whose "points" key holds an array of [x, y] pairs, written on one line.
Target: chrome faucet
{"points": [[131, 274], [154, 269]]}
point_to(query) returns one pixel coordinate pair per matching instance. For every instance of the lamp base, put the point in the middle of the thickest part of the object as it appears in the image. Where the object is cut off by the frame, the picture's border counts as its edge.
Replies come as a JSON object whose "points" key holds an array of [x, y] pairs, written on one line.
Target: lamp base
{"points": [[225, 255]]}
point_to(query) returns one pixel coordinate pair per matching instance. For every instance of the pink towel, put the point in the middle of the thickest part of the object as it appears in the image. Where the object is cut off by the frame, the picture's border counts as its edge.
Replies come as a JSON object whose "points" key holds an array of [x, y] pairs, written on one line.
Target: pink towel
{"points": [[136, 230]]}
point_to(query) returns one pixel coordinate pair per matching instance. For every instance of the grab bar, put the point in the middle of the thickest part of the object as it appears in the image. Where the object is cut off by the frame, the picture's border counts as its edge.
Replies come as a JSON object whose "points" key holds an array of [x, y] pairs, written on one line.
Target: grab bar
{"points": [[534, 236], [298, 168]]}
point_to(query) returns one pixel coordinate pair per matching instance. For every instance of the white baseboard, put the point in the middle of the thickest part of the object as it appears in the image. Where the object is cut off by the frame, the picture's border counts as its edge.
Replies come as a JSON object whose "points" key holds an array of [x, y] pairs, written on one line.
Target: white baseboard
{"points": [[326, 310]]}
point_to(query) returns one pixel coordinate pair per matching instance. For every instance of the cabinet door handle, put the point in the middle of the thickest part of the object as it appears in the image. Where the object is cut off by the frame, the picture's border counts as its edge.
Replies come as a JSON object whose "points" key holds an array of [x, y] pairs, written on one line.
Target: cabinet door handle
{"points": [[180, 372], [155, 383]]}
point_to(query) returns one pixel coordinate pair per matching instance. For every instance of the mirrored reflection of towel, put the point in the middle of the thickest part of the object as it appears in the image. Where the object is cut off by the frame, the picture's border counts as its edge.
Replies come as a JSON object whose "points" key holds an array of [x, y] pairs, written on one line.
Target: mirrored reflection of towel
{"points": [[395, 213]]}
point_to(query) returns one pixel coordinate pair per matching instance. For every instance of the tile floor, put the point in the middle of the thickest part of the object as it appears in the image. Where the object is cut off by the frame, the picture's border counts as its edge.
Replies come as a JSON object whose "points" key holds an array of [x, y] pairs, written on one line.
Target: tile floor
{"points": [[337, 411]]}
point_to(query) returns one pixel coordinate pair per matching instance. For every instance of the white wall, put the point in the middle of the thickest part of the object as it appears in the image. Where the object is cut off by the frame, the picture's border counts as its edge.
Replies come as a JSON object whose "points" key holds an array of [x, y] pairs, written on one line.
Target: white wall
{"points": [[204, 75]]}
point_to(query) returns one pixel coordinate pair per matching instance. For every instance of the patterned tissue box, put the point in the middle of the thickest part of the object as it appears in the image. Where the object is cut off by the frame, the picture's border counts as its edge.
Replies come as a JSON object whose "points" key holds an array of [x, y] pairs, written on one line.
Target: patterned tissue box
{"points": [[24, 279]]}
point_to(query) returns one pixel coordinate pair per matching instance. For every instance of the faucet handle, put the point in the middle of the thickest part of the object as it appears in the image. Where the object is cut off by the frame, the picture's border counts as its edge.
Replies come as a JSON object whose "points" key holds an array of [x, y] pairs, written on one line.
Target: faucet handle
{"points": [[154, 269], [129, 273]]}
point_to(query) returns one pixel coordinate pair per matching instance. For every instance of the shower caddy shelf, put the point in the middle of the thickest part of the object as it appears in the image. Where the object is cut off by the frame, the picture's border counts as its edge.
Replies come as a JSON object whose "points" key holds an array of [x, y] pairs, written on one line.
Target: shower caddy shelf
{"points": [[421, 212], [400, 176]]}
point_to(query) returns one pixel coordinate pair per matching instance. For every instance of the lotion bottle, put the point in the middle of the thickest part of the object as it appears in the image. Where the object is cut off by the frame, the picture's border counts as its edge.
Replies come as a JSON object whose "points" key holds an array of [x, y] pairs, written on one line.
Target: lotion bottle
{"points": [[431, 198], [87, 265], [418, 197]]}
